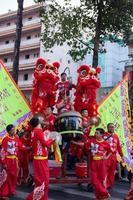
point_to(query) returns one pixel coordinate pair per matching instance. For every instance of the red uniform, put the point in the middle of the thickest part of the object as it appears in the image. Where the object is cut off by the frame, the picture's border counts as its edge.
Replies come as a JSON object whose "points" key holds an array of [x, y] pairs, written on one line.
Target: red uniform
{"points": [[130, 194], [10, 147], [64, 106], [114, 143], [64, 88], [50, 119], [86, 128], [40, 161], [24, 159], [98, 150]]}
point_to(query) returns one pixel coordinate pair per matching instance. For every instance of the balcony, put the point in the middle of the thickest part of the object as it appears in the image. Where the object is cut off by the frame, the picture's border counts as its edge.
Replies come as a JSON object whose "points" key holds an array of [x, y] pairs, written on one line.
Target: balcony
{"points": [[23, 64], [25, 46], [25, 23], [129, 64], [29, 42], [130, 39], [31, 22], [25, 85], [27, 26], [130, 53], [30, 9]]}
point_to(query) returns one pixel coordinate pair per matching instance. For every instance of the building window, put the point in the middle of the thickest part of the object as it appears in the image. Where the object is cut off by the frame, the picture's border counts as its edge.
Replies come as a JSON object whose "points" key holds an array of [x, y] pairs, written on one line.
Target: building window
{"points": [[68, 61], [36, 55], [5, 60], [28, 37], [37, 35], [29, 18], [27, 56], [8, 24], [25, 77], [7, 42]]}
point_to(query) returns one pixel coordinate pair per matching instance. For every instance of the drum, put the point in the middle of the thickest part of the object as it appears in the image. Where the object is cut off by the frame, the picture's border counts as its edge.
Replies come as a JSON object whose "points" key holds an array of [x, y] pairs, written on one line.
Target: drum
{"points": [[69, 124], [81, 170]]}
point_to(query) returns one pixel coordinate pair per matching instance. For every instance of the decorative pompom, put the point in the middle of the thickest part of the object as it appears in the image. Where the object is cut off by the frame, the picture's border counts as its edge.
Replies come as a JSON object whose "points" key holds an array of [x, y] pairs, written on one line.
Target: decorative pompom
{"points": [[98, 70], [56, 64], [40, 61]]}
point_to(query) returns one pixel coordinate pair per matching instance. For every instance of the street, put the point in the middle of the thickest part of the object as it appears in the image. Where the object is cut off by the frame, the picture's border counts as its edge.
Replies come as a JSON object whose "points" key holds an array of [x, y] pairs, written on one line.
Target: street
{"points": [[74, 192]]}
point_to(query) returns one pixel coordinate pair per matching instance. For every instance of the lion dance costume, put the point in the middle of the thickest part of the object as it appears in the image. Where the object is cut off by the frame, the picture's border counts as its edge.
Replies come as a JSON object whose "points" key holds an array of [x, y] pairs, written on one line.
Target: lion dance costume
{"points": [[44, 85], [86, 89]]}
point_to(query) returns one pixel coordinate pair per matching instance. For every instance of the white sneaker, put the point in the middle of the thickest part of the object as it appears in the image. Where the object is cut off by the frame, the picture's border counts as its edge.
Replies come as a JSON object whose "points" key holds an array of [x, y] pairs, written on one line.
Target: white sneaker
{"points": [[125, 179]]}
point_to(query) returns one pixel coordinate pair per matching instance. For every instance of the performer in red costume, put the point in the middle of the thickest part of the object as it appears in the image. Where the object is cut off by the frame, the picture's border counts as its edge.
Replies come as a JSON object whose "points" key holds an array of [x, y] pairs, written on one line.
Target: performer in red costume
{"points": [[40, 158], [99, 152], [49, 119], [64, 105], [24, 157], [10, 147], [85, 121], [64, 86], [87, 85], [44, 85], [115, 145]]}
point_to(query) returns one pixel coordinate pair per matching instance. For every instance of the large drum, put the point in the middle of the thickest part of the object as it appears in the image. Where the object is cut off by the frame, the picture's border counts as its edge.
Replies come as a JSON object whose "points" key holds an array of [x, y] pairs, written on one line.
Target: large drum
{"points": [[69, 124]]}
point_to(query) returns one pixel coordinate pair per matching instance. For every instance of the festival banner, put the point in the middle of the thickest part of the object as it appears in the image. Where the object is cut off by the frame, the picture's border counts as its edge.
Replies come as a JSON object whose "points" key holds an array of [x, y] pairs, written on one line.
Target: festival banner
{"points": [[115, 109], [14, 109]]}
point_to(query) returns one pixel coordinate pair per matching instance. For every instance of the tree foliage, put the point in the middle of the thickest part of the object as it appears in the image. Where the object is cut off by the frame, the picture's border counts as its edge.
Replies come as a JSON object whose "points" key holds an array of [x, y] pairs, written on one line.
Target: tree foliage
{"points": [[88, 21]]}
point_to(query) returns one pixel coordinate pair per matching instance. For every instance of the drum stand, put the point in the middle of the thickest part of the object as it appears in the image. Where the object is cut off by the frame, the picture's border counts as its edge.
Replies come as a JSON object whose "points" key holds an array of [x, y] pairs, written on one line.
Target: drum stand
{"points": [[69, 177]]}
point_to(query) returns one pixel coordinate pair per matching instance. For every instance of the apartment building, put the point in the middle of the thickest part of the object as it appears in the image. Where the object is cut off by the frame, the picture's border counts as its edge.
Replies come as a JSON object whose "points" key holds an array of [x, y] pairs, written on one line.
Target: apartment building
{"points": [[30, 44]]}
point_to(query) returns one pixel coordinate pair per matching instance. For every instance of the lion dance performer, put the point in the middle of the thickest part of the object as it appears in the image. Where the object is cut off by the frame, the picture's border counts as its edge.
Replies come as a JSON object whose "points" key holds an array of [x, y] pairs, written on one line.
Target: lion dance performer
{"points": [[86, 89], [44, 85]]}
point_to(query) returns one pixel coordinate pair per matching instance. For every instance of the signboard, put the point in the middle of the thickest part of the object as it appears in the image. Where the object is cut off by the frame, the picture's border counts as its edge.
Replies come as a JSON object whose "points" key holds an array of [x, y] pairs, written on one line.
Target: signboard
{"points": [[115, 109], [14, 108]]}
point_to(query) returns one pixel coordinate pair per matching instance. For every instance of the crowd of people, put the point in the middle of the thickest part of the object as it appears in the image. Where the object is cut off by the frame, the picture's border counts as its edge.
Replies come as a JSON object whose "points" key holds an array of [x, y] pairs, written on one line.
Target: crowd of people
{"points": [[18, 148], [102, 149]]}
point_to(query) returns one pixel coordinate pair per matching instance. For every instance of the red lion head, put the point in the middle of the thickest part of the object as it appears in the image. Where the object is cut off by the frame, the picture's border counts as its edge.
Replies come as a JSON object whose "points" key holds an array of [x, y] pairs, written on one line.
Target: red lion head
{"points": [[88, 76], [46, 71]]}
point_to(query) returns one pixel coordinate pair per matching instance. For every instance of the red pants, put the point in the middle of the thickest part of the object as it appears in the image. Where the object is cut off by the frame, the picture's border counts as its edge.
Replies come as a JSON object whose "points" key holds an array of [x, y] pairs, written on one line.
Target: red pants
{"points": [[9, 187], [111, 167], [130, 194], [98, 178], [23, 168], [41, 175]]}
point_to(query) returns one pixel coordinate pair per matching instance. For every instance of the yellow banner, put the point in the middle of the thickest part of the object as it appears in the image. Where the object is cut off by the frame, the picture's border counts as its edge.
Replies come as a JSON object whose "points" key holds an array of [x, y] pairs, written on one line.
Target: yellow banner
{"points": [[115, 109], [14, 109]]}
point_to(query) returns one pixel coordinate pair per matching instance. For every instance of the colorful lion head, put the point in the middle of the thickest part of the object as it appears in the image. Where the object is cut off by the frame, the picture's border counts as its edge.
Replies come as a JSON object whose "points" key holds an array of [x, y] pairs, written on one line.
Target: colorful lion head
{"points": [[88, 76], [46, 71]]}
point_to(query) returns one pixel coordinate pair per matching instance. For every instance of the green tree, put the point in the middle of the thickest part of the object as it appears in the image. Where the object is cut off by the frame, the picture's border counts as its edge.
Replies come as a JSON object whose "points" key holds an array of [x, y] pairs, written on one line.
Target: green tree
{"points": [[18, 39], [83, 26]]}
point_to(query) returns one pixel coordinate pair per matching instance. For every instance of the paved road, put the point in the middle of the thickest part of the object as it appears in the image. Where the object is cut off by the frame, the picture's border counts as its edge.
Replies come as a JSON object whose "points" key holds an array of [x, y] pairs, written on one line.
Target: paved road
{"points": [[74, 192]]}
